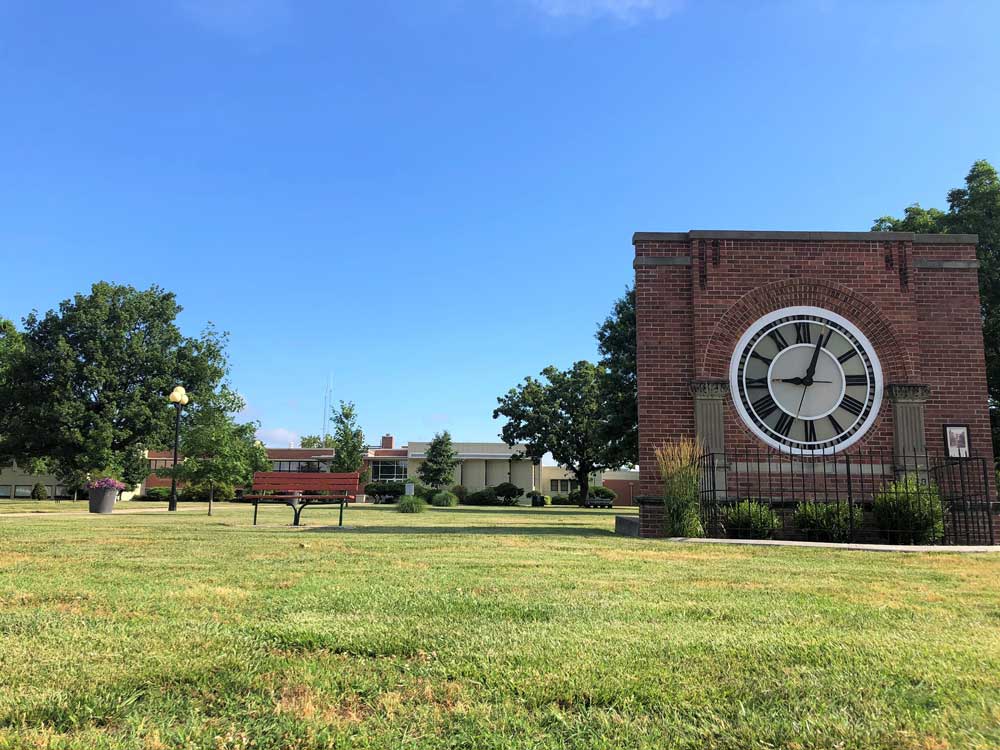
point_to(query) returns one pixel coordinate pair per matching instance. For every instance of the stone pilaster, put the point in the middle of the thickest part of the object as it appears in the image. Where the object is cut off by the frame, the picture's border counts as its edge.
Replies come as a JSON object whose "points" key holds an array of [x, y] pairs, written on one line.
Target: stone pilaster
{"points": [[909, 444]]}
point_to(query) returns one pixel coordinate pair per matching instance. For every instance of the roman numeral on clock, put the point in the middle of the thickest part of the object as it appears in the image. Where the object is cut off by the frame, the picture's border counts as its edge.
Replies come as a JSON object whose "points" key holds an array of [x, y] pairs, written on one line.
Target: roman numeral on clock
{"points": [[810, 430], [837, 429], [756, 382], [852, 405], [856, 380], [847, 356], [764, 406], [761, 357], [803, 334], [778, 339], [784, 425]]}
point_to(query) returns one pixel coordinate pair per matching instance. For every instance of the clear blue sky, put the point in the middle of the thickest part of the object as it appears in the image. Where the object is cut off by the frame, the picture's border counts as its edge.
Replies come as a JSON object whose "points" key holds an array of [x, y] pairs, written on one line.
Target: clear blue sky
{"points": [[430, 200]]}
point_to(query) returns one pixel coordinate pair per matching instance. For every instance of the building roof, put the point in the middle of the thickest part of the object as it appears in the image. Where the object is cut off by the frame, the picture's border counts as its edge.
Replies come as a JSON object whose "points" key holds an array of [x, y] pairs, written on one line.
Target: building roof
{"points": [[471, 450], [720, 234]]}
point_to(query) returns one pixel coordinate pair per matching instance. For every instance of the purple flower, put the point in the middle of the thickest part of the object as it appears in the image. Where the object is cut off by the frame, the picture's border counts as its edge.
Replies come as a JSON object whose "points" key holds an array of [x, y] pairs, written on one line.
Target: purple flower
{"points": [[107, 483]]}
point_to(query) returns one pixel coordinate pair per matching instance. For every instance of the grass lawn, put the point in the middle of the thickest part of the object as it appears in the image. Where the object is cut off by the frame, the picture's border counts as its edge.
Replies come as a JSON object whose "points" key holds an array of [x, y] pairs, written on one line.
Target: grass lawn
{"points": [[480, 628]]}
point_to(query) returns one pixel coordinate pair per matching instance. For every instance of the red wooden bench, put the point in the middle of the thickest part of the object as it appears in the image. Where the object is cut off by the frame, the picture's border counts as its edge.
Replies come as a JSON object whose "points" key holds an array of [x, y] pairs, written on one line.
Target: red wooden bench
{"points": [[289, 488]]}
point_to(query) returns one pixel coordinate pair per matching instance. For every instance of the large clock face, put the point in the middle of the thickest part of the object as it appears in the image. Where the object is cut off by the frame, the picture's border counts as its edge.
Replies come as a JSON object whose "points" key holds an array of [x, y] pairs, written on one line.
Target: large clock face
{"points": [[806, 379]]}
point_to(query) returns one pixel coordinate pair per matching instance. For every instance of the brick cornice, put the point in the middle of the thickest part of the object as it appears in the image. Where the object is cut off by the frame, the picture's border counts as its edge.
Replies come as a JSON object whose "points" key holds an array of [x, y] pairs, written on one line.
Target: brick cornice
{"points": [[919, 239]]}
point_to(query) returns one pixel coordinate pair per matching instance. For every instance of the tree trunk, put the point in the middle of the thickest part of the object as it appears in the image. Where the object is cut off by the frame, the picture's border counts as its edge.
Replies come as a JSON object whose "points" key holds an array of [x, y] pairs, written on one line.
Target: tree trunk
{"points": [[211, 497], [583, 479]]}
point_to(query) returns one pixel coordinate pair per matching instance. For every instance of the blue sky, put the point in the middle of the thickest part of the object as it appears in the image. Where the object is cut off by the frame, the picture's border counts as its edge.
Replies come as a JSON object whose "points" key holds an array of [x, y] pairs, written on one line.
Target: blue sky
{"points": [[430, 200]]}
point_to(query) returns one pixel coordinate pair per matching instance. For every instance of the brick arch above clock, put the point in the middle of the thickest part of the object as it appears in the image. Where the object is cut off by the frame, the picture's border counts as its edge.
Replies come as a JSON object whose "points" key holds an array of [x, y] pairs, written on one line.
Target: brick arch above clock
{"points": [[897, 364]]}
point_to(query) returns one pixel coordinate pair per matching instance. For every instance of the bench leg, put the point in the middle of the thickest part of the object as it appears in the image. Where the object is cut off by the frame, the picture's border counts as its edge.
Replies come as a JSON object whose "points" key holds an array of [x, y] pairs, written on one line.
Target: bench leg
{"points": [[255, 514], [342, 502], [297, 509]]}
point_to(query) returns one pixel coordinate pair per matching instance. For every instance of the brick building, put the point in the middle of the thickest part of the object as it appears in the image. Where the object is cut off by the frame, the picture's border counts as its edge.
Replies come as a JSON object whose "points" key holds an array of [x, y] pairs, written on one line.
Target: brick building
{"points": [[726, 325]]}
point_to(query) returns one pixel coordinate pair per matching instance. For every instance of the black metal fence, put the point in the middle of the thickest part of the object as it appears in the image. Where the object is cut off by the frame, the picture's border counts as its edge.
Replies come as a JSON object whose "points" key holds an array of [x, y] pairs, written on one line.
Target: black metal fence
{"points": [[866, 497]]}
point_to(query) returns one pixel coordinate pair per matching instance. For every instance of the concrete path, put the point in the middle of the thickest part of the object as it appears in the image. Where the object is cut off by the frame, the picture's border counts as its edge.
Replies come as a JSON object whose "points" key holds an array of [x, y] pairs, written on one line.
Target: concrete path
{"points": [[861, 547], [85, 512]]}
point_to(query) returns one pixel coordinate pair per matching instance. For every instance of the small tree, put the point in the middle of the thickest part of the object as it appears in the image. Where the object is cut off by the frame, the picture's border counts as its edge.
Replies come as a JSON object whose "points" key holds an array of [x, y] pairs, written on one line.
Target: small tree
{"points": [[438, 467], [217, 450], [38, 492], [347, 441], [566, 416], [316, 441]]}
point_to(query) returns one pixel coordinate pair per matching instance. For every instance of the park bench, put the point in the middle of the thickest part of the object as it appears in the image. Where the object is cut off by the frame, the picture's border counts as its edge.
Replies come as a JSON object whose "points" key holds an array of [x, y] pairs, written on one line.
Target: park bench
{"points": [[299, 491]]}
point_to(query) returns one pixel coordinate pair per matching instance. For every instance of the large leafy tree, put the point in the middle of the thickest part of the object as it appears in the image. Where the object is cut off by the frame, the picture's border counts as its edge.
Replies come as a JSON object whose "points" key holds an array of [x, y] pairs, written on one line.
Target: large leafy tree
{"points": [[218, 450], [567, 415], [88, 389], [973, 209], [616, 343], [438, 467], [348, 440]]}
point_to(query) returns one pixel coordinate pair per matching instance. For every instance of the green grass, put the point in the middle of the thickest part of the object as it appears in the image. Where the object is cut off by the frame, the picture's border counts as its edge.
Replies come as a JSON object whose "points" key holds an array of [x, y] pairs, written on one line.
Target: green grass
{"points": [[480, 628]]}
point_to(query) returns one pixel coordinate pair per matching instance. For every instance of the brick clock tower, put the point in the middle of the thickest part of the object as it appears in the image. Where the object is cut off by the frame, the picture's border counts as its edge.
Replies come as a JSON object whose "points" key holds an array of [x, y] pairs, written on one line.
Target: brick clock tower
{"points": [[807, 343]]}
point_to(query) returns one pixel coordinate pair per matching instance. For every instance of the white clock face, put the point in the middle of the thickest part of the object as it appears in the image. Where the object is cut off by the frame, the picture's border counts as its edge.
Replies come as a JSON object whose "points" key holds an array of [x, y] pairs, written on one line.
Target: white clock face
{"points": [[806, 379]]}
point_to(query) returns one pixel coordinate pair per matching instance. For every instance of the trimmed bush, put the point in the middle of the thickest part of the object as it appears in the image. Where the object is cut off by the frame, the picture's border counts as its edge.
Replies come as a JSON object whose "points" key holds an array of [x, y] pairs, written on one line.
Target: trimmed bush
{"points": [[38, 492], [158, 493], [199, 492], [597, 491], [460, 492], [909, 511], [444, 499], [562, 500], [421, 490], [486, 496], [508, 493], [385, 492], [411, 504], [749, 519], [827, 522]]}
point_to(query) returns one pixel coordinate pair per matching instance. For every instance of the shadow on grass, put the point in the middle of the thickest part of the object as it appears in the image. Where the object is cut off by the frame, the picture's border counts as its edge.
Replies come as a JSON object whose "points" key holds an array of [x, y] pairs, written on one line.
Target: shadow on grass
{"points": [[576, 531], [559, 511]]}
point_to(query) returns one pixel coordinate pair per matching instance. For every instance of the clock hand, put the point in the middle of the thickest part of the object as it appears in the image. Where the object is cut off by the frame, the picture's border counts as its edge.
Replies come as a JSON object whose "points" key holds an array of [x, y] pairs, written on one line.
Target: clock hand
{"points": [[797, 381], [811, 370], [802, 400]]}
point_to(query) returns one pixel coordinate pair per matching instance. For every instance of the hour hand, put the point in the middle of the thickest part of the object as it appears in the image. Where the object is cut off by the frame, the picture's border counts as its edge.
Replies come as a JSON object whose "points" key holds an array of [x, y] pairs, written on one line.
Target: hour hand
{"points": [[797, 381]]}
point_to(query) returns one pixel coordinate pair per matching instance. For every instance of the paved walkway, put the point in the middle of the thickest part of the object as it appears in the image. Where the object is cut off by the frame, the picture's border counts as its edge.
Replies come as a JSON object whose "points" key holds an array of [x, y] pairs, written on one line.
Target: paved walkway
{"points": [[85, 512], [861, 547]]}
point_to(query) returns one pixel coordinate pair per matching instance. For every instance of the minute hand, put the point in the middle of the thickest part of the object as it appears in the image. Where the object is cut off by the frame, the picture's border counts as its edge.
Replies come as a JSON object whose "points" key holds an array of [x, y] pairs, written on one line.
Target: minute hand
{"points": [[811, 370]]}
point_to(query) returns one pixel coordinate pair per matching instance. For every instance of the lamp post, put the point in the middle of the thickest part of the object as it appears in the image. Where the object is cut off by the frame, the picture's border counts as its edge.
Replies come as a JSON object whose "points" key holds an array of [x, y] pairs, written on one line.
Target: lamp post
{"points": [[178, 397]]}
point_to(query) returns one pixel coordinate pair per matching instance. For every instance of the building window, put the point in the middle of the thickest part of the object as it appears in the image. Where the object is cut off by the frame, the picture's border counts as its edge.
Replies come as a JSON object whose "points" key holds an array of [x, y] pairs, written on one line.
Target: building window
{"points": [[295, 466], [160, 463], [388, 471], [563, 486], [22, 490], [5, 490]]}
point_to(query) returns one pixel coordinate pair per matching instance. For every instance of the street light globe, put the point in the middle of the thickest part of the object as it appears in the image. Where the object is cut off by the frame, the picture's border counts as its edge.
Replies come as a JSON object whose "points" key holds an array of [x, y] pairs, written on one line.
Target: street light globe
{"points": [[184, 400], [178, 395]]}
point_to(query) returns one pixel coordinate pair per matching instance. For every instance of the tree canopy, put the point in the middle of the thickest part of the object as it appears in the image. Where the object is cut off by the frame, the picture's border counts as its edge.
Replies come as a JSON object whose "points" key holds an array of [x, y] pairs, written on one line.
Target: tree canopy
{"points": [[567, 415], [87, 385], [973, 209], [316, 441], [616, 341], [438, 466]]}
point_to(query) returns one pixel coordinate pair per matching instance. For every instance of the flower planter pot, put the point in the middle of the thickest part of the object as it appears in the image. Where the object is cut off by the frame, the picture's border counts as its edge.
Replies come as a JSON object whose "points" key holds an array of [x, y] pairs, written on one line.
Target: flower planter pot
{"points": [[102, 500]]}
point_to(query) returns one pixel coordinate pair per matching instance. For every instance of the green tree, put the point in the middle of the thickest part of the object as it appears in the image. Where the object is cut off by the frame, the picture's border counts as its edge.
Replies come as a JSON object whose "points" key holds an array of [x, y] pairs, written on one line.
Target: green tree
{"points": [[973, 209], [316, 441], [347, 441], [134, 467], [616, 343], [89, 386], [438, 467], [565, 415], [217, 450]]}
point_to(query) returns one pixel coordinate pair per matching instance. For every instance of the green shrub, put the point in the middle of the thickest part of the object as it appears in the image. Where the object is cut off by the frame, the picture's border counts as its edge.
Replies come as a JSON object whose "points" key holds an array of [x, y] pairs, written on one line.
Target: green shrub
{"points": [[749, 519], [908, 511], [828, 522], [421, 490], [538, 500], [596, 491], [485, 496], [460, 492], [201, 491], [411, 504], [562, 500], [158, 493], [679, 472], [38, 492], [508, 493], [385, 492], [444, 499]]}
